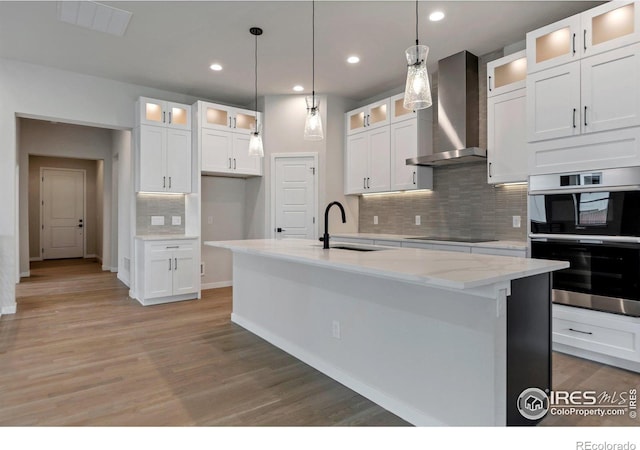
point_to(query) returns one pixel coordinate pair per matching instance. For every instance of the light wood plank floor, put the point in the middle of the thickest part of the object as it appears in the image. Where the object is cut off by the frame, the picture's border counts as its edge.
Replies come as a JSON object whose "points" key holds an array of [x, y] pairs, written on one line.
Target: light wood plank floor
{"points": [[79, 351]]}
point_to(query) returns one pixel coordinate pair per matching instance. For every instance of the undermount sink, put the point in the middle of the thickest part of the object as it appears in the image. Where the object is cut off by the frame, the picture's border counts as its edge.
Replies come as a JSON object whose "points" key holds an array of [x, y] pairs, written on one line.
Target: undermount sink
{"points": [[356, 248]]}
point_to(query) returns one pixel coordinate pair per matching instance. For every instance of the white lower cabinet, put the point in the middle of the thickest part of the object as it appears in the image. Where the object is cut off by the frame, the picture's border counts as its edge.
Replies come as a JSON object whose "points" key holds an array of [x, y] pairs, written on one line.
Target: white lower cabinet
{"points": [[609, 338], [166, 271]]}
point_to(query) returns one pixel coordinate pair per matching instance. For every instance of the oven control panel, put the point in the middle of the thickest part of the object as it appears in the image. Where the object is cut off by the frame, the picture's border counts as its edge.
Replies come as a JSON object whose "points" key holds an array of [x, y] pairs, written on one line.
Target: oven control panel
{"points": [[581, 179]]}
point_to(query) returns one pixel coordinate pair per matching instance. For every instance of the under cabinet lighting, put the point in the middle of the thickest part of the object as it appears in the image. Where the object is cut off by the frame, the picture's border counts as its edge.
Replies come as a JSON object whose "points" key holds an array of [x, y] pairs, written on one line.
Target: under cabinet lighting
{"points": [[518, 183], [381, 194]]}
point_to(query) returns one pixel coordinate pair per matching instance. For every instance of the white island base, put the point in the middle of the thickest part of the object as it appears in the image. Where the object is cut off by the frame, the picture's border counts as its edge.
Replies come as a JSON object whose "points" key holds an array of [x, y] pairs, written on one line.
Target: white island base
{"points": [[432, 355]]}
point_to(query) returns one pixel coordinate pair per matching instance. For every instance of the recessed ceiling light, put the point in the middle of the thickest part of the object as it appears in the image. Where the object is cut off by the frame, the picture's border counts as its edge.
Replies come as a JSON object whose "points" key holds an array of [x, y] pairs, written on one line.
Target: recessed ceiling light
{"points": [[216, 67], [298, 88], [436, 16], [353, 59]]}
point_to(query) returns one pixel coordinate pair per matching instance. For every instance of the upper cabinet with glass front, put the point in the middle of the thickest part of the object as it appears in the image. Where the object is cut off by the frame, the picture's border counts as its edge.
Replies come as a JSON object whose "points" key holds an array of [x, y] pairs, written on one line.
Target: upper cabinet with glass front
{"points": [[606, 27], [369, 117], [507, 74], [164, 114], [221, 117]]}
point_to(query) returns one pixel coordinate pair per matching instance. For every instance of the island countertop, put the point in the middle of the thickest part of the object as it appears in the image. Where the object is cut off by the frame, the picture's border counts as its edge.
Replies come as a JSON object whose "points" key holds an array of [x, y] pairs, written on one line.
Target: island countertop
{"points": [[435, 268]]}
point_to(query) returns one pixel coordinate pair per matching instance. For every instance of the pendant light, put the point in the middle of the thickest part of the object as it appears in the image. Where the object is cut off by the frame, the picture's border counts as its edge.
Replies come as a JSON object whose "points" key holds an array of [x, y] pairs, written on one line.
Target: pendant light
{"points": [[313, 122], [417, 92], [255, 141]]}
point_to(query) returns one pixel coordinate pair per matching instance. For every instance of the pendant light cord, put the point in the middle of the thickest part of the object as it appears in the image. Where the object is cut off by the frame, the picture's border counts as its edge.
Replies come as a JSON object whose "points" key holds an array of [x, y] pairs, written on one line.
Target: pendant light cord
{"points": [[416, 22], [313, 51], [256, 85]]}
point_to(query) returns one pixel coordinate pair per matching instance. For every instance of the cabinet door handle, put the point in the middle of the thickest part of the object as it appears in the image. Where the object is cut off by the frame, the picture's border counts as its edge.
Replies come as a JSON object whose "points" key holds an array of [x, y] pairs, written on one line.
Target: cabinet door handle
{"points": [[490, 83], [169, 182], [169, 116], [229, 163], [164, 182], [364, 183], [235, 123], [490, 175], [585, 116], [578, 331], [368, 187], [368, 120], [234, 164], [175, 263], [229, 122], [574, 117], [584, 39], [414, 177], [574, 43], [172, 246], [169, 264], [164, 116]]}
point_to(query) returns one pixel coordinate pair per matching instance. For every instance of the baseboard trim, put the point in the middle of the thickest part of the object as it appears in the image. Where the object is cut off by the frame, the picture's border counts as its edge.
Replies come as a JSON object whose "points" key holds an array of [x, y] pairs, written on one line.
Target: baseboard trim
{"points": [[398, 407], [91, 256], [9, 309], [35, 258], [598, 357], [216, 285], [26, 274], [109, 269]]}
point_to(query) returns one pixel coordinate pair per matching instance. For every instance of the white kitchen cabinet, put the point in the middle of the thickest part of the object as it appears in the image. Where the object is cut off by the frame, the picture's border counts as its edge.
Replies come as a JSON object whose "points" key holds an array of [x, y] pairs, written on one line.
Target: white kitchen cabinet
{"points": [[506, 119], [166, 270], [162, 113], [163, 157], [600, 29], [594, 94], [221, 117], [507, 74], [411, 136], [608, 338], [368, 161], [162, 146], [368, 117], [223, 142], [507, 138]]}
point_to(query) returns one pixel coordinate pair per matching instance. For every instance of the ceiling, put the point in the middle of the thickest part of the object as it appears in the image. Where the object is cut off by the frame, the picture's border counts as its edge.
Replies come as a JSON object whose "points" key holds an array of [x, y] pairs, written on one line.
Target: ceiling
{"points": [[170, 44]]}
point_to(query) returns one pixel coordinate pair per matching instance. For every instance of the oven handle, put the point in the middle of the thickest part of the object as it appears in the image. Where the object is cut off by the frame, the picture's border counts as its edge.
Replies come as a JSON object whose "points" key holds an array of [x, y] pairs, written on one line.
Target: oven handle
{"points": [[584, 239], [587, 188]]}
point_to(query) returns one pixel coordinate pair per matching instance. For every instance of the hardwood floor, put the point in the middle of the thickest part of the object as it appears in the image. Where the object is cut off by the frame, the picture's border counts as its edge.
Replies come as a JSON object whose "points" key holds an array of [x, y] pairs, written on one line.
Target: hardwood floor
{"points": [[80, 352]]}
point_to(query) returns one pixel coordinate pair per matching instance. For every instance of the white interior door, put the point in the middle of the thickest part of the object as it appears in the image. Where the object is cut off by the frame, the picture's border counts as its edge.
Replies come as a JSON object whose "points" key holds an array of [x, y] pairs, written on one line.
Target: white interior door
{"points": [[62, 213], [295, 197]]}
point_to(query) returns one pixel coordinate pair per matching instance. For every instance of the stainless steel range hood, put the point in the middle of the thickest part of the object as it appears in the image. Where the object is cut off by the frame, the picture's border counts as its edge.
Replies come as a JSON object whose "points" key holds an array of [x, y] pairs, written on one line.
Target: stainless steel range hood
{"points": [[458, 113]]}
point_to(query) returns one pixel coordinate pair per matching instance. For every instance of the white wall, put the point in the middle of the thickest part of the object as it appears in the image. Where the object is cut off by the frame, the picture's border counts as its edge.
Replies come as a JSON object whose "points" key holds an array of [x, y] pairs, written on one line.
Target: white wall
{"points": [[33, 91], [121, 148], [283, 133], [223, 203], [99, 205]]}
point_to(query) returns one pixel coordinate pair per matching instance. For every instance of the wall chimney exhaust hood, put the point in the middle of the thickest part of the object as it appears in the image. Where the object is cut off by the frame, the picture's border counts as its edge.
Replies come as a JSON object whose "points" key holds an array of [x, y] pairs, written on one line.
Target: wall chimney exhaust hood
{"points": [[458, 113]]}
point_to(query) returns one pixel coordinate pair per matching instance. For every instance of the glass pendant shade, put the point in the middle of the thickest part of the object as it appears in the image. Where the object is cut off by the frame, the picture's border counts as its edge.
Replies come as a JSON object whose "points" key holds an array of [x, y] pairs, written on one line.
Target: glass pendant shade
{"points": [[255, 143], [313, 122], [417, 92]]}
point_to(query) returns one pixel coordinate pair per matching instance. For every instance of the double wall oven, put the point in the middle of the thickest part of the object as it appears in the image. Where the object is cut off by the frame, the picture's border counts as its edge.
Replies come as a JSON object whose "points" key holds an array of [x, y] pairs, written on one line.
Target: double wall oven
{"points": [[592, 220]]}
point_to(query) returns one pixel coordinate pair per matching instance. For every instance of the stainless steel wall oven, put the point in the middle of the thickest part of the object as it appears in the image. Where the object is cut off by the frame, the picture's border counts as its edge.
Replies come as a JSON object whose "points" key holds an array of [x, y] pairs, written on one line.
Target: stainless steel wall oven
{"points": [[591, 220]]}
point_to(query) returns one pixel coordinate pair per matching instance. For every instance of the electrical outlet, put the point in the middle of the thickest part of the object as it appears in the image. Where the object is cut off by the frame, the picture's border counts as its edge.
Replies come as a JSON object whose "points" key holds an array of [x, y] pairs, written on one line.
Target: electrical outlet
{"points": [[157, 220], [516, 222], [210, 220], [375, 220], [335, 329], [176, 220], [417, 220]]}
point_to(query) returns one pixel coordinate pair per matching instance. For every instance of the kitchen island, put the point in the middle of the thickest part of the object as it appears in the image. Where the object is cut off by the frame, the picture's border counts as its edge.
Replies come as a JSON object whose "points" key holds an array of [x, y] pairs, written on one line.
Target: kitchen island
{"points": [[436, 337]]}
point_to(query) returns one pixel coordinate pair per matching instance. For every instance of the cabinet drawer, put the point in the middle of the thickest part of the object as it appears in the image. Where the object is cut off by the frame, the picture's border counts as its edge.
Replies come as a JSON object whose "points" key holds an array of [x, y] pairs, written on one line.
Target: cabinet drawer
{"points": [[604, 333]]}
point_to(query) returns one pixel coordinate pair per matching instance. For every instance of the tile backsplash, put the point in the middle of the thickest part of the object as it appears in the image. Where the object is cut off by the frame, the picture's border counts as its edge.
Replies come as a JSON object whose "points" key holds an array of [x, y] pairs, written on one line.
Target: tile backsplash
{"points": [[167, 206], [461, 204]]}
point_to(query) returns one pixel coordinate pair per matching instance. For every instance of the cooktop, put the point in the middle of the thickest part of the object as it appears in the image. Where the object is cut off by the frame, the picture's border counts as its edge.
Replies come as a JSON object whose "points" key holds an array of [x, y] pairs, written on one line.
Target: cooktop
{"points": [[450, 239]]}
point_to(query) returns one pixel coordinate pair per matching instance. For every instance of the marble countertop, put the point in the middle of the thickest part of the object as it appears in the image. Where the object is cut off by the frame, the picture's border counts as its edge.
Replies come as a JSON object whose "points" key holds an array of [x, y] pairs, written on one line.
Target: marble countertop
{"points": [[504, 244], [163, 237], [446, 269]]}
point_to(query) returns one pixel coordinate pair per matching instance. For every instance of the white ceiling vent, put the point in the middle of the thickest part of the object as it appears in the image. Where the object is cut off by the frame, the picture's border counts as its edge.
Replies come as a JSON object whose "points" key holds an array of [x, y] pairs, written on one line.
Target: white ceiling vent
{"points": [[95, 16]]}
